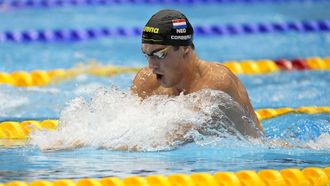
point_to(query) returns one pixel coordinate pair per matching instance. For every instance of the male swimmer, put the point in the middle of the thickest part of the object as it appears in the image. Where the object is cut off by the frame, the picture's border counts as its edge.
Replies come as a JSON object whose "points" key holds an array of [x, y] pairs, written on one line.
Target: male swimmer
{"points": [[174, 69]]}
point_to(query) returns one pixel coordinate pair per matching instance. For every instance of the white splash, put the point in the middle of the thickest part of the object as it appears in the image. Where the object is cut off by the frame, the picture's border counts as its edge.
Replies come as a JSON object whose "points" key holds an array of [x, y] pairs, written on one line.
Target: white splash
{"points": [[320, 143], [119, 120]]}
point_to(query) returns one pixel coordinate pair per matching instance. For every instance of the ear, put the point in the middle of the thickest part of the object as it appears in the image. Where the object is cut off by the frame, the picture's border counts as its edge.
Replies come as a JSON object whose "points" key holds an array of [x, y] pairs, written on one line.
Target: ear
{"points": [[186, 51]]}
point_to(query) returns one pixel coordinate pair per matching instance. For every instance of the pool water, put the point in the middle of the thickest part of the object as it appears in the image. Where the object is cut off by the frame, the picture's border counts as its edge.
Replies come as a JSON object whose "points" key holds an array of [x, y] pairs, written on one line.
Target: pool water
{"points": [[309, 134]]}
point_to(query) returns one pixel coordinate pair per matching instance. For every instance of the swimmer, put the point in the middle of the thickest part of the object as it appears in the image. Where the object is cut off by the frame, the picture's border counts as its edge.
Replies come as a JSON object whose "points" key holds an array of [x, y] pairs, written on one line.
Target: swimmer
{"points": [[174, 68]]}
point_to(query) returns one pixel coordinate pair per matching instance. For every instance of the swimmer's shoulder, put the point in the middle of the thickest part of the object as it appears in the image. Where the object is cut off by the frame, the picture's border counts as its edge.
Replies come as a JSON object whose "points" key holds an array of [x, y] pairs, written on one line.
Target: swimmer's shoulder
{"points": [[144, 83], [145, 74], [217, 75], [217, 67]]}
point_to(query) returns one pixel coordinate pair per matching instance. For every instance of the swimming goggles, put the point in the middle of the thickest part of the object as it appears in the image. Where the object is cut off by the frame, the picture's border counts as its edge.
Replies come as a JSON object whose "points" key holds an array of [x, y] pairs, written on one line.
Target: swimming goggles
{"points": [[160, 54]]}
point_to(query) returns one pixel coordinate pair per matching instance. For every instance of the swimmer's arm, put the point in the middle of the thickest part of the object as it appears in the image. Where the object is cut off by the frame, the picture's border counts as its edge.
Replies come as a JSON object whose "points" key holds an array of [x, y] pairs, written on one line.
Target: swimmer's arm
{"points": [[241, 95], [231, 85], [62, 146], [244, 99]]}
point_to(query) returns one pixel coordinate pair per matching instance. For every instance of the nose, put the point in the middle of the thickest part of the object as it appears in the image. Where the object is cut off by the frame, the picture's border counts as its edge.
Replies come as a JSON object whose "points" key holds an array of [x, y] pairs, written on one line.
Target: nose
{"points": [[153, 64]]}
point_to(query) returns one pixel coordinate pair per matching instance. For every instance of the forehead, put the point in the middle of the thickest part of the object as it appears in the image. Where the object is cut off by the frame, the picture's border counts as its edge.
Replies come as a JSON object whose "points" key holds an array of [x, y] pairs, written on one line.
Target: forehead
{"points": [[150, 47]]}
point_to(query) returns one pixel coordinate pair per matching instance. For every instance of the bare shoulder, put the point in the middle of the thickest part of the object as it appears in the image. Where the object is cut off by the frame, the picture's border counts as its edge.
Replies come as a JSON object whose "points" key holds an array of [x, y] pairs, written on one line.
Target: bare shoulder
{"points": [[145, 74], [217, 67], [144, 83], [217, 75]]}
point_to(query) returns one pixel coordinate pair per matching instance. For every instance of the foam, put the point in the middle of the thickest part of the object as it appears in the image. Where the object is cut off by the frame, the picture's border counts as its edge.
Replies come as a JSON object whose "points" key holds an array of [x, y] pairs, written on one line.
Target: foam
{"points": [[320, 143], [119, 120]]}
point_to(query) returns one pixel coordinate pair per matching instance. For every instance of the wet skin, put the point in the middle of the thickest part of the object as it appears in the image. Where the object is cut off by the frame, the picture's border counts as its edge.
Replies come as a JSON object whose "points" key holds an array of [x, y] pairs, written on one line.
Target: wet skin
{"points": [[181, 71]]}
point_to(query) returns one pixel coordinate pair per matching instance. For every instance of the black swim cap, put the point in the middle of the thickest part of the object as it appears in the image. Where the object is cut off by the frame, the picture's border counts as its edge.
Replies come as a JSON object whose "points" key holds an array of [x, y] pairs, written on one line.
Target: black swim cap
{"points": [[168, 27]]}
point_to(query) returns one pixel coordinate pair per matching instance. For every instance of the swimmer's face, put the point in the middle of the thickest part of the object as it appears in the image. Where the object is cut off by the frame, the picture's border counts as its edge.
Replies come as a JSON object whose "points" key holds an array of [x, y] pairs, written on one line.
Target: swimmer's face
{"points": [[165, 62]]}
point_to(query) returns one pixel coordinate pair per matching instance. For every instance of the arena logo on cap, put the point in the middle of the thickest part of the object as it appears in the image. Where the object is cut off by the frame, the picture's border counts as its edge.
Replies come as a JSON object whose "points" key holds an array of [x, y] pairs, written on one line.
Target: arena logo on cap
{"points": [[179, 23], [151, 29]]}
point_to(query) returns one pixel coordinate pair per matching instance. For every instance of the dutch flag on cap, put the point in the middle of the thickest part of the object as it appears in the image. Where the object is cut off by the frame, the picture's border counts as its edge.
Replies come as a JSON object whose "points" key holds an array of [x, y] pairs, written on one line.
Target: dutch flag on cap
{"points": [[179, 23]]}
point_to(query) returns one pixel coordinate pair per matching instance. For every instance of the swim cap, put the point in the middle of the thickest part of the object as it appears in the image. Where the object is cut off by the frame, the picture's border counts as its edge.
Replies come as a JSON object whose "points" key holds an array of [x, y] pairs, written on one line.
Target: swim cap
{"points": [[168, 27]]}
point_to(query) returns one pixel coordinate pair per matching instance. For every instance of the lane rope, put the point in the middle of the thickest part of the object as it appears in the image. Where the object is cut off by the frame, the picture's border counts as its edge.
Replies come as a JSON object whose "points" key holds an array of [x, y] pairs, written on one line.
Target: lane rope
{"points": [[43, 78], [20, 4], [75, 35], [22, 129], [289, 176], [250, 67]]}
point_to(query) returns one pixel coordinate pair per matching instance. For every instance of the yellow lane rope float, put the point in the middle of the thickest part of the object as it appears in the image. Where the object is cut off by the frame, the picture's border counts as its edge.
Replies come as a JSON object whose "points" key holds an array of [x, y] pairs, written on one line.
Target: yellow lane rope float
{"points": [[309, 176], [21, 130], [42, 78], [264, 114]]}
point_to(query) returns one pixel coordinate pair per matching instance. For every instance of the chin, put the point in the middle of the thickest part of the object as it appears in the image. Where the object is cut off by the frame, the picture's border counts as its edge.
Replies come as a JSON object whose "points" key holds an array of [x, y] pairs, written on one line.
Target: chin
{"points": [[165, 84]]}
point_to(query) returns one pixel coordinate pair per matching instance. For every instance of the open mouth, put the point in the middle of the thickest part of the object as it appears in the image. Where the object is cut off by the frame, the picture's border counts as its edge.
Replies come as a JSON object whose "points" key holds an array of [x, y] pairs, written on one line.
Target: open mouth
{"points": [[159, 76]]}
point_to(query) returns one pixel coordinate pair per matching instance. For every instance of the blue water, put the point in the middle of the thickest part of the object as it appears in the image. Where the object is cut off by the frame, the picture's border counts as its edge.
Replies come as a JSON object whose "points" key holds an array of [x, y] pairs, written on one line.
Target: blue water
{"points": [[266, 91]]}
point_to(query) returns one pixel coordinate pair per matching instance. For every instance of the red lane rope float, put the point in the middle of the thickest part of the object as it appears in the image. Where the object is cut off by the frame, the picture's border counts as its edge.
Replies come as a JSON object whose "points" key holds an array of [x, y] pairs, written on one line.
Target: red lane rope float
{"points": [[42, 78], [270, 66], [302, 64]]}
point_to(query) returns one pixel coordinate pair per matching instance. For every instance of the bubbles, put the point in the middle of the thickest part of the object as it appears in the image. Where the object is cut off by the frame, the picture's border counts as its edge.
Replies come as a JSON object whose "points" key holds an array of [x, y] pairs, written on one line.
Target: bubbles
{"points": [[116, 119], [320, 143]]}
